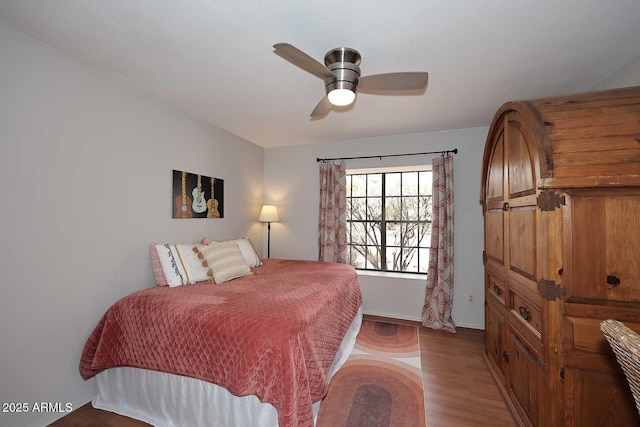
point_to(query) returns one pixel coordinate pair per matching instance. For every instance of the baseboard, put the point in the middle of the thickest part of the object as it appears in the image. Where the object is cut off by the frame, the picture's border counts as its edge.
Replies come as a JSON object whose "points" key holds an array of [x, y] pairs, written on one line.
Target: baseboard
{"points": [[470, 326], [418, 319], [393, 316], [53, 417]]}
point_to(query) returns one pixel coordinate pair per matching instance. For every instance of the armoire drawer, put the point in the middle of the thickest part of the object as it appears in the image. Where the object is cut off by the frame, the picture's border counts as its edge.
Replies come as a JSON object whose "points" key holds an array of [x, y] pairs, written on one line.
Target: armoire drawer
{"points": [[526, 313], [584, 334], [582, 325], [496, 289]]}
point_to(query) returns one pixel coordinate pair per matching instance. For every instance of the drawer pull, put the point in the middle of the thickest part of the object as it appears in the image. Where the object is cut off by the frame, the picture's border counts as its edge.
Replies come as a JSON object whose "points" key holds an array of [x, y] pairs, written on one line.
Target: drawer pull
{"points": [[497, 289], [505, 356], [524, 313], [613, 281], [505, 206]]}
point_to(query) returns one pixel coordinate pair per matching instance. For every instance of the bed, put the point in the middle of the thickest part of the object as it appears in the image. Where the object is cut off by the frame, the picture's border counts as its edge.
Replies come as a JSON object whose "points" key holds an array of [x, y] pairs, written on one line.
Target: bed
{"points": [[258, 350]]}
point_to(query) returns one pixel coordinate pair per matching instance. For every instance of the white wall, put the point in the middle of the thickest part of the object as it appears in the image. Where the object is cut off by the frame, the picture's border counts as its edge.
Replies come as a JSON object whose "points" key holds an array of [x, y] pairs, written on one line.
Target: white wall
{"points": [[625, 76], [291, 183], [86, 167]]}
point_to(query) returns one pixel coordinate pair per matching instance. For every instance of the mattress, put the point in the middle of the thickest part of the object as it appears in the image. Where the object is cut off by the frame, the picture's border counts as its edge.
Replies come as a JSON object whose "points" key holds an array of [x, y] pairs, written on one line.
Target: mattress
{"points": [[168, 400]]}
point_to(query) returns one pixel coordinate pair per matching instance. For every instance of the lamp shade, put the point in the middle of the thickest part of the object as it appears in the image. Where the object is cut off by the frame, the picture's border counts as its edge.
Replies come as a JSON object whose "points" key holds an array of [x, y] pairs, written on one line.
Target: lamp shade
{"points": [[269, 213]]}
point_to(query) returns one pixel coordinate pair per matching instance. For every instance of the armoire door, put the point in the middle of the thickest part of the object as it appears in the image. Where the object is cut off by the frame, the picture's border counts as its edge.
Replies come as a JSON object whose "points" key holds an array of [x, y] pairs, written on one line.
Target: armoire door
{"points": [[495, 212], [520, 208], [495, 339], [526, 382], [604, 229]]}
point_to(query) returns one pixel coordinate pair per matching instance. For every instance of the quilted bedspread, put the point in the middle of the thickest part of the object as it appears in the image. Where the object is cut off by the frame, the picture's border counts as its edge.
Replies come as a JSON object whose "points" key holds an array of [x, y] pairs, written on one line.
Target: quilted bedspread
{"points": [[273, 334]]}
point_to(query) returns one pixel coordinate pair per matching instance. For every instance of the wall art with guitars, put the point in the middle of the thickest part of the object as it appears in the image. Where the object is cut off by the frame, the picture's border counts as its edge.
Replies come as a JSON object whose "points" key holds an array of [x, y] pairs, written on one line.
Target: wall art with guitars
{"points": [[197, 196]]}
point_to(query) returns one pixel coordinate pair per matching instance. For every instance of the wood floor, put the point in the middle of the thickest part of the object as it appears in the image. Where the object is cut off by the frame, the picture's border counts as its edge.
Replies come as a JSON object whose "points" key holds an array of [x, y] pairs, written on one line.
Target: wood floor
{"points": [[459, 391], [458, 388]]}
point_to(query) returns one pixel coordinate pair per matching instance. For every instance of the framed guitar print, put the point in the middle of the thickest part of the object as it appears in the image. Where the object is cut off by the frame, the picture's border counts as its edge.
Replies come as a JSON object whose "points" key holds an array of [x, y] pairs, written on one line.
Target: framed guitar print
{"points": [[197, 196]]}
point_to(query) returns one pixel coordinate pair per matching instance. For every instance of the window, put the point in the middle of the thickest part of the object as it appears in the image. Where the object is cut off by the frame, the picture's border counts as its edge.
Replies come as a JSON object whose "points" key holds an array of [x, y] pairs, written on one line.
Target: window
{"points": [[389, 218]]}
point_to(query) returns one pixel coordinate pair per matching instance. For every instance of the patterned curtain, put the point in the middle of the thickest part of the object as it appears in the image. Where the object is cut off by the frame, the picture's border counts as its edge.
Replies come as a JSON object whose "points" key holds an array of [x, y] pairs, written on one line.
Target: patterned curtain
{"points": [[332, 227], [436, 313]]}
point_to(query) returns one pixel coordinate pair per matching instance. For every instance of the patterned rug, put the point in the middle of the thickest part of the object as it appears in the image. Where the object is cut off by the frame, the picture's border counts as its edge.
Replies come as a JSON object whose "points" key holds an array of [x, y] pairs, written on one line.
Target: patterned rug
{"points": [[380, 385]]}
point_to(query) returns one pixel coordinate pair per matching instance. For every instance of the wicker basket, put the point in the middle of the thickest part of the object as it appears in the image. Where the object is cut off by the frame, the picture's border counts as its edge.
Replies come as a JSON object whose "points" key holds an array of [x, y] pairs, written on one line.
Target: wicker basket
{"points": [[626, 346]]}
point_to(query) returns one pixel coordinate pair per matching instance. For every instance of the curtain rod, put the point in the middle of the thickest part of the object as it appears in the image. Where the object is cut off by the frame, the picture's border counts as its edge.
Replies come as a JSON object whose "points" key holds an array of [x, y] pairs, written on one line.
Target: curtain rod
{"points": [[454, 151]]}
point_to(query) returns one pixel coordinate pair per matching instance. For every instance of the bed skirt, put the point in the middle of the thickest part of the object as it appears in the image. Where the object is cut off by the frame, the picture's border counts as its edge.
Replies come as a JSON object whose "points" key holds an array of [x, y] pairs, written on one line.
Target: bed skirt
{"points": [[168, 400]]}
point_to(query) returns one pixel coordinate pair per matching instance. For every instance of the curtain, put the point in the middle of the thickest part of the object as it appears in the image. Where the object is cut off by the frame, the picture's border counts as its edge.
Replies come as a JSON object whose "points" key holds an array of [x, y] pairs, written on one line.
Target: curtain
{"points": [[436, 313], [332, 224]]}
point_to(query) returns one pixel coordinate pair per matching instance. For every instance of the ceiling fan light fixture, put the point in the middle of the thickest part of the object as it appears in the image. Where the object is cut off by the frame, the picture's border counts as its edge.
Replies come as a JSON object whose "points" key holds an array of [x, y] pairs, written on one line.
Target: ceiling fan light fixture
{"points": [[341, 97], [341, 76]]}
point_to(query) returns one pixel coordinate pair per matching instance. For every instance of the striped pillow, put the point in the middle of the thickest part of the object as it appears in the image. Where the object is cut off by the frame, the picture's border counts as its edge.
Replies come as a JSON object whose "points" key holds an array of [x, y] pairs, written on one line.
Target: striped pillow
{"points": [[246, 247], [224, 260]]}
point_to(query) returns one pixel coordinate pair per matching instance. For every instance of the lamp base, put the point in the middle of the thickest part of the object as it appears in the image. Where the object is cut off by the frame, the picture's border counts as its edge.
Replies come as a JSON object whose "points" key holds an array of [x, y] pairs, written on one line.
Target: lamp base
{"points": [[268, 240]]}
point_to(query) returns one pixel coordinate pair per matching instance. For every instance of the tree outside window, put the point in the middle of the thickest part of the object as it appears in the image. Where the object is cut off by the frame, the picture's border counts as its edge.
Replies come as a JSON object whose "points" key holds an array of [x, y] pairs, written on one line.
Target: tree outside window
{"points": [[389, 219]]}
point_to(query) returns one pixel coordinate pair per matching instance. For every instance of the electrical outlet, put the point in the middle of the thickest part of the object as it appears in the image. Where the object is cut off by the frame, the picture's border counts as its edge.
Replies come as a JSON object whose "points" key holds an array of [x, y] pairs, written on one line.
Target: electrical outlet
{"points": [[471, 298]]}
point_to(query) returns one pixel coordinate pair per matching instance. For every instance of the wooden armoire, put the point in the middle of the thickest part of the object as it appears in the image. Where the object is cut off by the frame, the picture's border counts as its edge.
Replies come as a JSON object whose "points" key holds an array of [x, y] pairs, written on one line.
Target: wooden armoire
{"points": [[561, 202]]}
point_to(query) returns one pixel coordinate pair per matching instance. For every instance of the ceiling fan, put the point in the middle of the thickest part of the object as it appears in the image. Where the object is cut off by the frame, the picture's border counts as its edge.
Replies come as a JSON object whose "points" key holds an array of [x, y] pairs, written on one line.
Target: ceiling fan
{"points": [[341, 75]]}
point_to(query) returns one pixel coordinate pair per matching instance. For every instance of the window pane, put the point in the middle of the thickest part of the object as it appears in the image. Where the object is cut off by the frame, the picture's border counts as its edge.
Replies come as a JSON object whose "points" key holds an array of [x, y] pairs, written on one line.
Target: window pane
{"points": [[410, 234], [358, 209], [425, 208], [358, 185], [410, 260], [425, 235], [358, 236], [392, 210], [394, 233], [392, 184], [348, 185], [373, 258], [374, 187], [410, 183], [424, 260], [373, 233], [374, 209], [393, 258], [357, 257], [426, 183], [410, 208]]}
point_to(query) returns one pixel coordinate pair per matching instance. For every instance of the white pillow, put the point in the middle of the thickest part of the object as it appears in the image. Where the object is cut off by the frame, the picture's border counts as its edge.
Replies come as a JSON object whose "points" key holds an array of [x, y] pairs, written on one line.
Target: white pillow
{"points": [[225, 261], [246, 247], [248, 252], [180, 264]]}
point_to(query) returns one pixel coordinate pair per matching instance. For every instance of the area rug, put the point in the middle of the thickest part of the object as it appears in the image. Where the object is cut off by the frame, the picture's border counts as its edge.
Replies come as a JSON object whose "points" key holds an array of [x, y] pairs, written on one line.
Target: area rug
{"points": [[380, 385]]}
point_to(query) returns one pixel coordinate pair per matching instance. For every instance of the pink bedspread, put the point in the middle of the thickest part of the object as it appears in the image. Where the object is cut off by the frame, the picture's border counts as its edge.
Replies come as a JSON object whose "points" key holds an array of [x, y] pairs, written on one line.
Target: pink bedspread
{"points": [[273, 334]]}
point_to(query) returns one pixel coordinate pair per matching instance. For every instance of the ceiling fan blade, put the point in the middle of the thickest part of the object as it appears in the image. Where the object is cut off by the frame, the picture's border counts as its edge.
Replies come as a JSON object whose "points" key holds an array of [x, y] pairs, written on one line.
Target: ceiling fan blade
{"points": [[379, 83], [302, 60], [322, 109]]}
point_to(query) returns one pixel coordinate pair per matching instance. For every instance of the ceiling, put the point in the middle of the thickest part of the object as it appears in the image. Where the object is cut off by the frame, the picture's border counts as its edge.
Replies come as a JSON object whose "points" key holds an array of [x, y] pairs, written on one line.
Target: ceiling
{"points": [[214, 58]]}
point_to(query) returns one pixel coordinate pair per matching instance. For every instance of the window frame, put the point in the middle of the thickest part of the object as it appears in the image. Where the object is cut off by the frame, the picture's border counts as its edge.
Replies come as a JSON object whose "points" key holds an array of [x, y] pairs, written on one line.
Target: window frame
{"points": [[422, 245]]}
